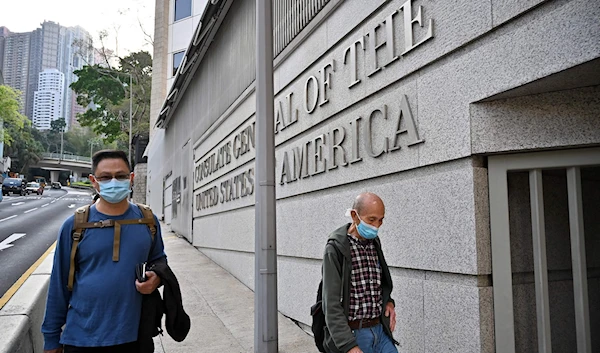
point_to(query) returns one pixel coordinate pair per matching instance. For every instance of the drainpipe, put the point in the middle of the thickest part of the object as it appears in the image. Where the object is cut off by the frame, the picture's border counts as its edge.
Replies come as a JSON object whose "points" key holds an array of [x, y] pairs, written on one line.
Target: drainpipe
{"points": [[265, 254]]}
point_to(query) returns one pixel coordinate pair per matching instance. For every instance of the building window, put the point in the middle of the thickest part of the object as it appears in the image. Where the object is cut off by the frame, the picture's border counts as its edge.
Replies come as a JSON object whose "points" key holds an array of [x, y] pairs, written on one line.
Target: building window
{"points": [[183, 9], [177, 57]]}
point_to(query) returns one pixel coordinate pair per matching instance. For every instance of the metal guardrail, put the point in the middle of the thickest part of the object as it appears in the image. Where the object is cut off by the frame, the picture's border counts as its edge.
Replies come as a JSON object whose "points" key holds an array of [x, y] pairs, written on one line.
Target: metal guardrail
{"points": [[66, 157]]}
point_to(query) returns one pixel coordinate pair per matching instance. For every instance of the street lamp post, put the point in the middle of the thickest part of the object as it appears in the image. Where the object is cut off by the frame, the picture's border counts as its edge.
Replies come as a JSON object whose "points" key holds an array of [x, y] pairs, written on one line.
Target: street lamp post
{"points": [[62, 133], [266, 335], [91, 148], [130, 114], [130, 106]]}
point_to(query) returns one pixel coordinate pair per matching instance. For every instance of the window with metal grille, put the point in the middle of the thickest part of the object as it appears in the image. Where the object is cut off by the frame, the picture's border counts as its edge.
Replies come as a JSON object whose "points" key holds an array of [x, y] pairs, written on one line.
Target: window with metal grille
{"points": [[290, 17]]}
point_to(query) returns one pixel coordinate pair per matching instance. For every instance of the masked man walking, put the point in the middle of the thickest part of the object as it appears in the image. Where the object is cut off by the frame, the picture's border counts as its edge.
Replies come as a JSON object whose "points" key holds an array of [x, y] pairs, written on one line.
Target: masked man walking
{"points": [[102, 312], [359, 311]]}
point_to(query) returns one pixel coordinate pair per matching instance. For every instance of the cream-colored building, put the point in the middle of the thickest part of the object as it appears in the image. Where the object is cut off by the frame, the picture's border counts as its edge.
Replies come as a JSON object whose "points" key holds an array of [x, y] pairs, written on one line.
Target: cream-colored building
{"points": [[476, 121]]}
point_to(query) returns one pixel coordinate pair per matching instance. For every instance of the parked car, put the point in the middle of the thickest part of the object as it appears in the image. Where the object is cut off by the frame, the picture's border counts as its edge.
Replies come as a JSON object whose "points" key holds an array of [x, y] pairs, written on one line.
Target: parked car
{"points": [[34, 187], [55, 185], [14, 185]]}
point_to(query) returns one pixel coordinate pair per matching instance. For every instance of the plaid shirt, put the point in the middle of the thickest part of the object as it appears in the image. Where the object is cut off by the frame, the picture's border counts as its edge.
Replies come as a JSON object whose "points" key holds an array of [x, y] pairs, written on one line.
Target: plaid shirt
{"points": [[365, 279]]}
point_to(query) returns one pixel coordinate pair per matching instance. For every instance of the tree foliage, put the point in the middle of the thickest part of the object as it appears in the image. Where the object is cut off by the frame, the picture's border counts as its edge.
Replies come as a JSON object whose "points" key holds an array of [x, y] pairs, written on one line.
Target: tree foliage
{"points": [[82, 141], [26, 148], [13, 121], [20, 139], [107, 92], [58, 125]]}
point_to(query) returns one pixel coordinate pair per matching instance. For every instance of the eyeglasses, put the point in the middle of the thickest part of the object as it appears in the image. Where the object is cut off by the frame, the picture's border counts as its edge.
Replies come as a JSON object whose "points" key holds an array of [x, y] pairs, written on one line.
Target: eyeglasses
{"points": [[119, 177]]}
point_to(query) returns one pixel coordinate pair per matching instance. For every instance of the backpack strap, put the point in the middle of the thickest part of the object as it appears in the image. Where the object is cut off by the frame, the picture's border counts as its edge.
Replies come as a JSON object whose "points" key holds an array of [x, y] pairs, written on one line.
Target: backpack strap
{"points": [[81, 223], [148, 219], [342, 263], [81, 217]]}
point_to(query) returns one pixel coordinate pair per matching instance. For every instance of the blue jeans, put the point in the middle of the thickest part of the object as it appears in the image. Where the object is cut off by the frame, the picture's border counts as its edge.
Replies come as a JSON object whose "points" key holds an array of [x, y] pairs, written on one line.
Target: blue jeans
{"points": [[374, 340]]}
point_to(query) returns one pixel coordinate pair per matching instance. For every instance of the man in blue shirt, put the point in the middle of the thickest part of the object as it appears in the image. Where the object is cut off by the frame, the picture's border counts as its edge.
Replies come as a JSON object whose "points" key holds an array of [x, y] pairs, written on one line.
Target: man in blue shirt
{"points": [[102, 312]]}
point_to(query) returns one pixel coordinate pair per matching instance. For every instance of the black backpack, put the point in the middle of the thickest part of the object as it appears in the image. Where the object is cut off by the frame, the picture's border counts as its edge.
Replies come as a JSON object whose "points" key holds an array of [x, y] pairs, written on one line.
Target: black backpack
{"points": [[316, 311]]}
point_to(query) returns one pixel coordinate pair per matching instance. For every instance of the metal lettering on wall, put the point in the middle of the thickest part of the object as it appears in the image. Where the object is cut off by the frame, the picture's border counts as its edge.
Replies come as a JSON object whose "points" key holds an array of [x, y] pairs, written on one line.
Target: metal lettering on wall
{"points": [[236, 146], [341, 145], [377, 47], [239, 186]]}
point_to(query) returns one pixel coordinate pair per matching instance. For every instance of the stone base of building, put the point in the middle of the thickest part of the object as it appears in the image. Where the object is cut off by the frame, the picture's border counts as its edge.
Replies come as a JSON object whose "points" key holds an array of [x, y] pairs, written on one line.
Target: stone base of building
{"points": [[139, 183]]}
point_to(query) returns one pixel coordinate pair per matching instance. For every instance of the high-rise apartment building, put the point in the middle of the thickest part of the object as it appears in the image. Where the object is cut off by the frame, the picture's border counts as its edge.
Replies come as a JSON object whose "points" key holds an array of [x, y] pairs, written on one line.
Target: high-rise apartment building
{"points": [[15, 63], [51, 45], [35, 67], [27, 55], [4, 32], [77, 51], [45, 53], [48, 99]]}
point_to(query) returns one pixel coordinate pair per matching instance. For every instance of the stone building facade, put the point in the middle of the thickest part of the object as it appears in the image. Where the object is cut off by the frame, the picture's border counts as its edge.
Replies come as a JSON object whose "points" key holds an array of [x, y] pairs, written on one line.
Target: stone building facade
{"points": [[467, 117]]}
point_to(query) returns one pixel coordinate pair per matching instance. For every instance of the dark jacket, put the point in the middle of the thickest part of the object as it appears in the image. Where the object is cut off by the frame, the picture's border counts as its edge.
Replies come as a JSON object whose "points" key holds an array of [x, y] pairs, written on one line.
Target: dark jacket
{"points": [[177, 321], [336, 292]]}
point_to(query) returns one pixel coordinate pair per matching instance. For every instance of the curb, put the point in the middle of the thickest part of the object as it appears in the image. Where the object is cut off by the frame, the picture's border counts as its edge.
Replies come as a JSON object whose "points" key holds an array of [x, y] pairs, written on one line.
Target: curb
{"points": [[21, 318]]}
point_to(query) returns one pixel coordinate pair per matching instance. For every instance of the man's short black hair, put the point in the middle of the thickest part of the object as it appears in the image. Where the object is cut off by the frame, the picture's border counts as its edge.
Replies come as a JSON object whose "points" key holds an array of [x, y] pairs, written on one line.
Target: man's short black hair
{"points": [[108, 154]]}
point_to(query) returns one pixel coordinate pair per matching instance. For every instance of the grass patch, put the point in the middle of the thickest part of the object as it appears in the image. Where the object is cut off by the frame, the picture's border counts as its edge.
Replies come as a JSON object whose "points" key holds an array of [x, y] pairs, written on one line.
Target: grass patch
{"points": [[86, 183]]}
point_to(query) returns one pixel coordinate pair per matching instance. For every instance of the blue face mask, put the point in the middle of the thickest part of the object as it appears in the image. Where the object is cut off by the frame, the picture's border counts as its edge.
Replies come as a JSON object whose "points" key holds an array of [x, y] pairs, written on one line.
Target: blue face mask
{"points": [[366, 230], [114, 191]]}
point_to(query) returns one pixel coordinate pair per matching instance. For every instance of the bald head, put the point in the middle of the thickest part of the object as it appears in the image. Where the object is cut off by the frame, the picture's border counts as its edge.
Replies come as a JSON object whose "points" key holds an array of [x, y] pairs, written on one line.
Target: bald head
{"points": [[370, 209], [365, 201]]}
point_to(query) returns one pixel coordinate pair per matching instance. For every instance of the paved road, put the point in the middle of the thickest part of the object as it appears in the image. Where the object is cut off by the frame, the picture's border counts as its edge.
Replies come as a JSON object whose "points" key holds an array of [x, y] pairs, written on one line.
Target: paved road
{"points": [[37, 217]]}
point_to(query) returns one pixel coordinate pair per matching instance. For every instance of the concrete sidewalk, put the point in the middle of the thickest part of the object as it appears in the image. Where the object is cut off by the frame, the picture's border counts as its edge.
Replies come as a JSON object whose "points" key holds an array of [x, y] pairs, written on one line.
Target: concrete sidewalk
{"points": [[221, 307]]}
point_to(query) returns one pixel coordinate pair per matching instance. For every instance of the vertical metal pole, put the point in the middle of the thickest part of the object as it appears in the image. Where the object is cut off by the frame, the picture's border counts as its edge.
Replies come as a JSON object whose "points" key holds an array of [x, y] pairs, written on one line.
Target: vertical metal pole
{"points": [[265, 255], [130, 113], [504, 320], [62, 135], [538, 232], [580, 288]]}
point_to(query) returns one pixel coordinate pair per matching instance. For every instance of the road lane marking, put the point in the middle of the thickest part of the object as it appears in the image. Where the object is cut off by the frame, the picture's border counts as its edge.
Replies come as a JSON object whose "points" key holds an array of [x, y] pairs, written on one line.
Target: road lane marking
{"points": [[7, 218], [53, 201], [6, 243], [15, 287], [45, 205], [31, 210], [18, 203]]}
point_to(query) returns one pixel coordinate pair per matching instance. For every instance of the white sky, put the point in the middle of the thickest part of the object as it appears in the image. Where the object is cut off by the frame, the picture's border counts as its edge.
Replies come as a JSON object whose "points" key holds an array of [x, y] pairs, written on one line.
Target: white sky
{"points": [[118, 17]]}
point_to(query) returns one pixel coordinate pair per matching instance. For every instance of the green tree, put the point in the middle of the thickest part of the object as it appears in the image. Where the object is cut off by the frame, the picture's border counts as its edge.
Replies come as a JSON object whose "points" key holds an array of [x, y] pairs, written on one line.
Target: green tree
{"points": [[20, 139], [107, 92], [25, 149], [13, 121], [58, 125], [82, 141]]}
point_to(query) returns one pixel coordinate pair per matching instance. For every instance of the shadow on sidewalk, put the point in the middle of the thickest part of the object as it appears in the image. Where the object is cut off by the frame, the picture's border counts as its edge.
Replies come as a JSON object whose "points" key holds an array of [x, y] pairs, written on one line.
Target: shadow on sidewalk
{"points": [[220, 306]]}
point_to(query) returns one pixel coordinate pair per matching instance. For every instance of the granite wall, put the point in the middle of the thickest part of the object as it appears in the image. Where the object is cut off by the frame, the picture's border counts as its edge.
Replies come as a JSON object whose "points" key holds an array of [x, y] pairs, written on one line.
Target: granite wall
{"points": [[412, 122], [140, 172]]}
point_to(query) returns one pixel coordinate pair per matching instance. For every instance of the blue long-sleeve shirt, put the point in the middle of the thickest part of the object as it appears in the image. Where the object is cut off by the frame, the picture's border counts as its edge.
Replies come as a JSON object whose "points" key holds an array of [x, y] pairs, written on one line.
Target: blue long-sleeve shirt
{"points": [[104, 307]]}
